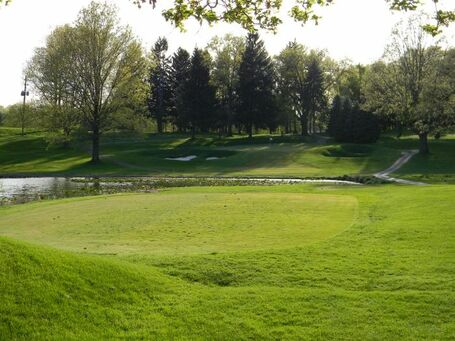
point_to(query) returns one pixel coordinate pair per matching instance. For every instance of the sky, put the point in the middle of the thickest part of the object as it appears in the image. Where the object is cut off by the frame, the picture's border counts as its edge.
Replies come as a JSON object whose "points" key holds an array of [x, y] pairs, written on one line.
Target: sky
{"points": [[350, 29]]}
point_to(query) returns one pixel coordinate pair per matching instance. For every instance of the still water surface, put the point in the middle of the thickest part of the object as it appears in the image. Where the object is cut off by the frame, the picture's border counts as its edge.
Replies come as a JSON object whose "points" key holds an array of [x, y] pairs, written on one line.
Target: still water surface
{"points": [[18, 190]]}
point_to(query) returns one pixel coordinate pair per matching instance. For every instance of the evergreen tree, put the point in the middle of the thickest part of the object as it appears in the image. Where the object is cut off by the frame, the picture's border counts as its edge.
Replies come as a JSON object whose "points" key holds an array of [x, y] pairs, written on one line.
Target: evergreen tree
{"points": [[159, 101], [365, 127], [335, 120], [346, 117], [313, 96], [256, 86], [350, 124], [199, 95], [179, 75]]}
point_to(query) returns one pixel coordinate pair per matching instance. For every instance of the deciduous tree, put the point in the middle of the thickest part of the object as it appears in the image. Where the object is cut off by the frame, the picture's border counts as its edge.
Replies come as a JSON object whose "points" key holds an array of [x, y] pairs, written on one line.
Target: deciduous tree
{"points": [[254, 14], [227, 52], [105, 61]]}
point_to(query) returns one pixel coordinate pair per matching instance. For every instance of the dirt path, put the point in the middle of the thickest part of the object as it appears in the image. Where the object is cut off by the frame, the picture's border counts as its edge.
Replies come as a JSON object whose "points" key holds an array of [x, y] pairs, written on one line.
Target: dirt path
{"points": [[405, 157]]}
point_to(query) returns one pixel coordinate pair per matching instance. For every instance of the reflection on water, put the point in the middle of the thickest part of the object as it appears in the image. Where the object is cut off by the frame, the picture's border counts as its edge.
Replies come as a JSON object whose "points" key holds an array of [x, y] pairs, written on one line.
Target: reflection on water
{"points": [[19, 190], [10, 187]]}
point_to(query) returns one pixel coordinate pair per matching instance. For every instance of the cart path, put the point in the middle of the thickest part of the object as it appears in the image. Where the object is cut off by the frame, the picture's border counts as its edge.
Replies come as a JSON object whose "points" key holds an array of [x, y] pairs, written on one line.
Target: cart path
{"points": [[405, 157]]}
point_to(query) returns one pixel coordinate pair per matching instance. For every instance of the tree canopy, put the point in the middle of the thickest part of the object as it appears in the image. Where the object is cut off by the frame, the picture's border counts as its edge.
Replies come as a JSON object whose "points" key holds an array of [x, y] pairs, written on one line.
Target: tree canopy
{"points": [[265, 14]]}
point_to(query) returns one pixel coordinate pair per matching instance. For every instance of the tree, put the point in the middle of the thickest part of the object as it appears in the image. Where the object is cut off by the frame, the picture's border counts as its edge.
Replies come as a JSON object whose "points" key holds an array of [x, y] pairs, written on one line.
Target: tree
{"points": [[350, 83], [159, 101], [16, 115], [265, 14], [291, 69], [410, 64], [228, 52], [312, 96], [303, 80], [350, 124], [256, 86], [106, 59], [51, 78], [2, 114], [436, 110], [179, 75], [335, 127], [199, 95], [384, 96]]}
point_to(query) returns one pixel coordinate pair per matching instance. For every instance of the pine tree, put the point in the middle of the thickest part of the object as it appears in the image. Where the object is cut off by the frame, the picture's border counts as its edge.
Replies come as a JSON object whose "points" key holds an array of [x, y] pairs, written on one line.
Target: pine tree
{"points": [[313, 96], [179, 75], [347, 121], [159, 101], [350, 124], [256, 86], [335, 120], [199, 95]]}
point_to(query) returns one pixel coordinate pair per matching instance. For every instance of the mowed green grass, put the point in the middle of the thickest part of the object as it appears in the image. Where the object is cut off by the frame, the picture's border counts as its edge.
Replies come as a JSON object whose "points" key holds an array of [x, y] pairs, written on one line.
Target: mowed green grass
{"points": [[287, 156], [384, 269], [437, 167], [181, 221], [238, 156]]}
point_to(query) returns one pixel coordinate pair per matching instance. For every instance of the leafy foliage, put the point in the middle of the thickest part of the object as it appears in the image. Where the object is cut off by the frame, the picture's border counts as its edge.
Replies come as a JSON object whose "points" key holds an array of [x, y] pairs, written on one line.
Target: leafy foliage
{"points": [[265, 14], [411, 85], [228, 53], [107, 68]]}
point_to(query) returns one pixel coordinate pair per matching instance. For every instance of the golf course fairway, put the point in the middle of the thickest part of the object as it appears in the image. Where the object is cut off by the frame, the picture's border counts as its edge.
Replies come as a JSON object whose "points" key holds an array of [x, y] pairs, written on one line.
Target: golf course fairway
{"points": [[298, 261]]}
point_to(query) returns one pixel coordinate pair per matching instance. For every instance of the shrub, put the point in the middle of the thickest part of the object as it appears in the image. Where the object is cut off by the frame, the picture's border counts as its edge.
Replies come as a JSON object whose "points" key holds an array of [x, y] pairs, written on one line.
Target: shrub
{"points": [[350, 124]]}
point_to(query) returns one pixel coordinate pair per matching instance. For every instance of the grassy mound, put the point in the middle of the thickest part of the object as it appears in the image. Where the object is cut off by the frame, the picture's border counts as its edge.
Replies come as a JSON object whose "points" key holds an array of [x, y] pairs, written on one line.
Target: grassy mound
{"points": [[48, 294], [182, 221]]}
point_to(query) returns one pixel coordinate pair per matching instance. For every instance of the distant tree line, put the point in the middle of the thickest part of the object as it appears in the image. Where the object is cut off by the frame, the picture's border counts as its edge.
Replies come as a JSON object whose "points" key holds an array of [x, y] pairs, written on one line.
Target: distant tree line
{"points": [[94, 76]]}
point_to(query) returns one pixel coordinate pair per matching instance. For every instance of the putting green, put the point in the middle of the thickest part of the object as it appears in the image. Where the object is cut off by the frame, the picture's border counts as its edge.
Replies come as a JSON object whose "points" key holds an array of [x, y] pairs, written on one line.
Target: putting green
{"points": [[181, 222]]}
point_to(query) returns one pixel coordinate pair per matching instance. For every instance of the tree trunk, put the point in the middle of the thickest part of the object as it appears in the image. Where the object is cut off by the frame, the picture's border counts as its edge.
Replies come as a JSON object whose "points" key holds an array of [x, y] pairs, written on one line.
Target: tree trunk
{"points": [[193, 132], [96, 145], [304, 125], [249, 129], [229, 130], [423, 139], [159, 124], [399, 130]]}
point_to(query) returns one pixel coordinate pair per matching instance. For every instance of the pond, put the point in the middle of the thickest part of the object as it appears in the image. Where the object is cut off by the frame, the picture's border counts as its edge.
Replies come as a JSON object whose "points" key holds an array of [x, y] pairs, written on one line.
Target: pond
{"points": [[21, 190]]}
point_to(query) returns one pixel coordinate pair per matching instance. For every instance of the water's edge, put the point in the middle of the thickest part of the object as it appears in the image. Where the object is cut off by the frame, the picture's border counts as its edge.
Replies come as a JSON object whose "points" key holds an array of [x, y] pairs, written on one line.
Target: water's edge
{"points": [[14, 190]]}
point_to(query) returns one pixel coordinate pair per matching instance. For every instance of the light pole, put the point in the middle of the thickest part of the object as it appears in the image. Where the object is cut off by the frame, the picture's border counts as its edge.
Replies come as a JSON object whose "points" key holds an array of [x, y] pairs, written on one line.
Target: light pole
{"points": [[24, 94]]}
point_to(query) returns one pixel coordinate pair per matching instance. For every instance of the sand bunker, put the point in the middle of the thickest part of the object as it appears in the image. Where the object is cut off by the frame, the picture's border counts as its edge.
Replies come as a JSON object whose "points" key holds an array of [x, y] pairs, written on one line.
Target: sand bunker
{"points": [[184, 159]]}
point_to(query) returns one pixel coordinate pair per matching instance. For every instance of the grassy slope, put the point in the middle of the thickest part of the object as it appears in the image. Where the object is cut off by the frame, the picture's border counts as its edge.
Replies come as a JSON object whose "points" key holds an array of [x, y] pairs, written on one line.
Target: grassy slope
{"points": [[389, 275], [287, 156], [437, 167]]}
